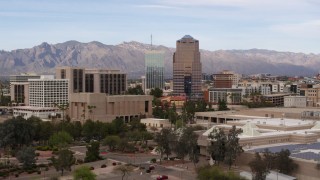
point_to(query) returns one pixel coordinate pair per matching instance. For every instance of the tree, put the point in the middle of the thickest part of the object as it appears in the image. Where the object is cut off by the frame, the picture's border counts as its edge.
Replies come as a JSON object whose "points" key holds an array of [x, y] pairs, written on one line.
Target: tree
{"points": [[259, 168], [83, 173], [164, 139], [270, 159], [214, 173], [187, 145], [124, 170], [111, 141], [222, 105], [233, 148], [135, 90], [27, 157], [15, 133], [172, 114], [217, 146], [93, 152], [62, 107], [60, 139], [156, 92], [64, 161], [188, 111], [46, 131], [284, 163], [201, 106], [89, 130]]}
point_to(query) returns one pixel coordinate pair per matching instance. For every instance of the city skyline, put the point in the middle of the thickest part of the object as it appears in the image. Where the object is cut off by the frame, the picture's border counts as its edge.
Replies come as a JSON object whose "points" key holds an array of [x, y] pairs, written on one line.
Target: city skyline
{"points": [[228, 24]]}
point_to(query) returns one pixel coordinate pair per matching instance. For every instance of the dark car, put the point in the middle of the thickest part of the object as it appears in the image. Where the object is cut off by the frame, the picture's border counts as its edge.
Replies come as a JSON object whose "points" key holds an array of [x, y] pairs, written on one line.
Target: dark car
{"points": [[162, 177]]}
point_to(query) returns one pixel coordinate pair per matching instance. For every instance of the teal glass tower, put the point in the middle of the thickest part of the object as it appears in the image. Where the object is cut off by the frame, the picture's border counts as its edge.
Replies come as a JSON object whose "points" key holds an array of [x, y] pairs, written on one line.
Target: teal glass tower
{"points": [[154, 68]]}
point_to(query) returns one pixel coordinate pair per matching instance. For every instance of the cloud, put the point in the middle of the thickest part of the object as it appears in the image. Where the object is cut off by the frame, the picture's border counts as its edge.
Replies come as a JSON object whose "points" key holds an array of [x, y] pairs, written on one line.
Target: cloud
{"points": [[303, 29]]}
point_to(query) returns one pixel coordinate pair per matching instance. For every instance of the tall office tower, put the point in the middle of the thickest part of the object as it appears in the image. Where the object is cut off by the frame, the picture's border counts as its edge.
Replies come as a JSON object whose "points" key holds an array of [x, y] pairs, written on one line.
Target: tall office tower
{"points": [[111, 82], [19, 88], [76, 78], [154, 68], [187, 68], [47, 91]]}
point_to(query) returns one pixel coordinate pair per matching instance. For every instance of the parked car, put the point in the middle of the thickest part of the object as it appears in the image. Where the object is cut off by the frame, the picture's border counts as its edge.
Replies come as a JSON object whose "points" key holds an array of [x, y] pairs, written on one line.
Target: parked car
{"points": [[148, 171], [162, 177]]}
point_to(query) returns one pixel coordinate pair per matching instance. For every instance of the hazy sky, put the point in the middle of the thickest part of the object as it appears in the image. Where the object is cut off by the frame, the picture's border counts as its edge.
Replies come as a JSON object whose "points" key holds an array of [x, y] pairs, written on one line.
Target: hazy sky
{"points": [[285, 25]]}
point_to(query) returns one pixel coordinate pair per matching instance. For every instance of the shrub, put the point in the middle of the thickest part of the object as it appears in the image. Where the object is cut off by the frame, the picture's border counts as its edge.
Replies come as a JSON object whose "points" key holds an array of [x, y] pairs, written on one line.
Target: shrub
{"points": [[16, 175], [39, 172], [114, 164], [172, 158], [80, 161], [37, 154], [91, 168], [153, 160], [103, 166]]}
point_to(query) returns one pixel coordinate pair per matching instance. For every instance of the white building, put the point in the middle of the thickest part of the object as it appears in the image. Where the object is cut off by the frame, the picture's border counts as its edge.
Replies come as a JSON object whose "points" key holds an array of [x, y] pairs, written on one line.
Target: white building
{"points": [[155, 122], [295, 101], [47, 91], [40, 112]]}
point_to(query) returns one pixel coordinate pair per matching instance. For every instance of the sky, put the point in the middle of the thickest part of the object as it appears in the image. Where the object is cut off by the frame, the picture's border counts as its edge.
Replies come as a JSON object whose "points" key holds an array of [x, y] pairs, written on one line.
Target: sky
{"points": [[282, 25]]}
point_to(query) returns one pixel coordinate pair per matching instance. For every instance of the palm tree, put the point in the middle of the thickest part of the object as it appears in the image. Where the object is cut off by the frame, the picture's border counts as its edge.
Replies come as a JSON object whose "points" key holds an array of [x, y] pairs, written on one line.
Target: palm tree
{"points": [[62, 107]]}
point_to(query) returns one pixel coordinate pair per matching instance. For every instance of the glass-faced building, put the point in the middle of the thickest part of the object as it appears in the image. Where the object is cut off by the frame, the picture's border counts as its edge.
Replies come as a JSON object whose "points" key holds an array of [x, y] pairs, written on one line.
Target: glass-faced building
{"points": [[154, 68]]}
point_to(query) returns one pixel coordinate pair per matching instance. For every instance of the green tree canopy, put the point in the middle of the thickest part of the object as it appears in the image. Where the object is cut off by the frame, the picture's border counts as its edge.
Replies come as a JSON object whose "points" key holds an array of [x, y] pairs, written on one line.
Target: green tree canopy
{"points": [[222, 105], [111, 141], [233, 148], [135, 90], [259, 168], [165, 139], [83, 173], [16, 132], [156, 92], [60, 139], [93, 152], [217, 146], [27, 157], [64, 161]]}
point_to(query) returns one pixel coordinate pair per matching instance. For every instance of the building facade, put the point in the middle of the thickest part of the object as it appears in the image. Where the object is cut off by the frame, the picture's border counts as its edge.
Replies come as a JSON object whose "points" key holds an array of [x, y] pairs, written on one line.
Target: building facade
{"points": [[295, 101], [19, 89], [111, 82], [47, 91], [229, 95], [107, 108], [154, 69], [187, 70]]}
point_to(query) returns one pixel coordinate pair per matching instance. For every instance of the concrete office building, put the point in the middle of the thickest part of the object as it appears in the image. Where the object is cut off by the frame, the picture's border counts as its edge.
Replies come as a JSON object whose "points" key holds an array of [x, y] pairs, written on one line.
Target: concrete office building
{"points": [[47, 91], [225, 79], [229, 95], [187, 68], [111, 82], [295, 101], [108, 108], [154, 69], [19, 88]]}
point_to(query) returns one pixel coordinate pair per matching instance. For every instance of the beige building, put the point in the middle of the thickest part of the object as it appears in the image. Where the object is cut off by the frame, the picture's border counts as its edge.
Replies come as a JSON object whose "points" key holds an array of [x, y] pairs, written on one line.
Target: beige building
{"points": [[295, 101], [99, 106], [312, 94], [111, 82], [187, 68], [155, 122]]}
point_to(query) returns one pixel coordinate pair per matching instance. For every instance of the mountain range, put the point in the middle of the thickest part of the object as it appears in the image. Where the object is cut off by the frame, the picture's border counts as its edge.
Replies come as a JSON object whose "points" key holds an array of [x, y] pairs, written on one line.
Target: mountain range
{"points": [[129, 58]]}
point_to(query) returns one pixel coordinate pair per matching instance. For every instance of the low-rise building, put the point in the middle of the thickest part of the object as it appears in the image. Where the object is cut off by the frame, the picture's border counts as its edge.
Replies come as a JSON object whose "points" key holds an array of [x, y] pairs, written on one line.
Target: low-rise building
{"points": [[229, 95], [155, 122], [276, 99], [295, 101], [40, 112], [99, 106]]}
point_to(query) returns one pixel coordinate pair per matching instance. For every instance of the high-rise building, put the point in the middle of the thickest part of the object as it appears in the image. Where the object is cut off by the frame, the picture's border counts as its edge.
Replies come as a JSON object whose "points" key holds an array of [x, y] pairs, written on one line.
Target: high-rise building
{"points": [[154, 68], [187, 68], [47, 92], [111, 82], [19, 88]]}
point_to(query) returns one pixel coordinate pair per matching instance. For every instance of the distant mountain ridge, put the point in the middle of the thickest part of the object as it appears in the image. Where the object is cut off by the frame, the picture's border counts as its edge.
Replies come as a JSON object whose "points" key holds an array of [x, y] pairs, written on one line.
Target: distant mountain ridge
{"points": [[129, 58]]}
